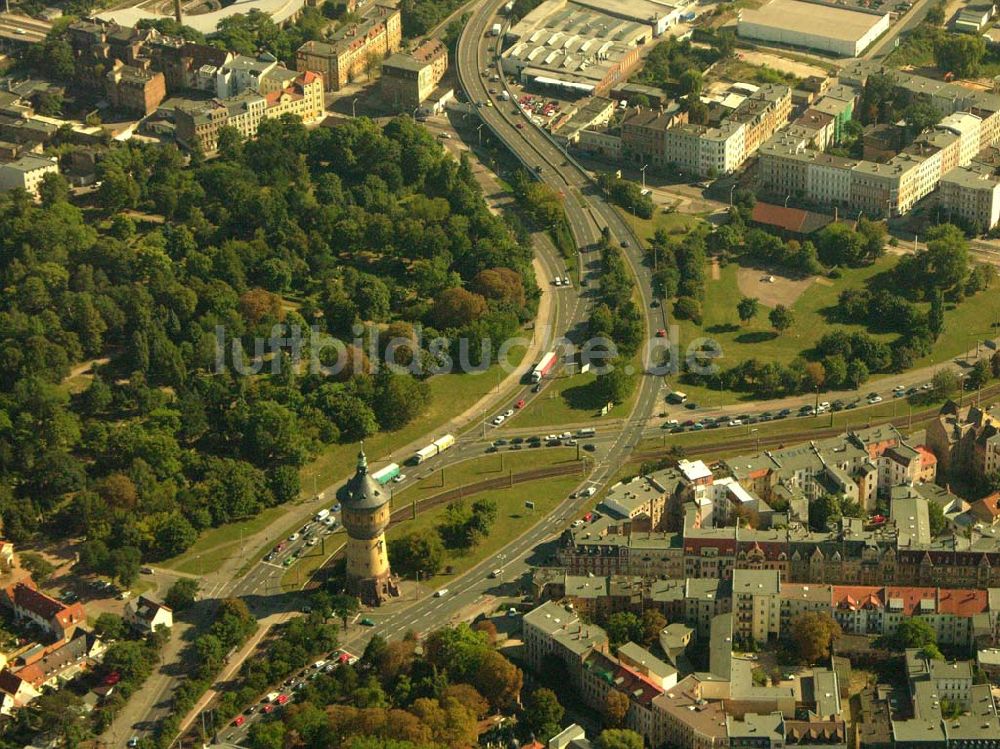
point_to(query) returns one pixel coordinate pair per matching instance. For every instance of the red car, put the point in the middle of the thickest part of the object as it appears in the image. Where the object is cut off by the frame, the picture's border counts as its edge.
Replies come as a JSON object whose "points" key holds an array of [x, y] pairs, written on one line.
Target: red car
{"points": [[268, 708], [520, 126], [239, 720], [282, 699], [519, 404], [280, 547], [661, 333]]}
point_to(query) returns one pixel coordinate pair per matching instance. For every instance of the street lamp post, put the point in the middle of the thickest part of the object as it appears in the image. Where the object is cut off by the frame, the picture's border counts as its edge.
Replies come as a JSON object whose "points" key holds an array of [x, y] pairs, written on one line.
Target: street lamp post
{"points": [[354, 111], [643, 170], [479, 132], [731, 190], [502, 558]]}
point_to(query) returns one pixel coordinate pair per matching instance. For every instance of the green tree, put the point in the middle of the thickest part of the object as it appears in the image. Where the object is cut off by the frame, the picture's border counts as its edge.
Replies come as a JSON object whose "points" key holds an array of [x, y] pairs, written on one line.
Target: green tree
{"points": [[619, 738], [812, 635], [499, 681], [41, 569], [914, 632], [182, 594], [945, 383], [935, 317], [959, 54], [542, 713], [109, 626], [615, 708], [623, 626], [823, 510], [418, 551], [747, 308], [781, 318], [936, 519], [267, 735], [690, 82]]}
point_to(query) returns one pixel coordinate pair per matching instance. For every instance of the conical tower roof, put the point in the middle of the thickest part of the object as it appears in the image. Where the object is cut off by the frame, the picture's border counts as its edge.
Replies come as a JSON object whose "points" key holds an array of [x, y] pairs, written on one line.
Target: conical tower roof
{"points": [[363, 492]]}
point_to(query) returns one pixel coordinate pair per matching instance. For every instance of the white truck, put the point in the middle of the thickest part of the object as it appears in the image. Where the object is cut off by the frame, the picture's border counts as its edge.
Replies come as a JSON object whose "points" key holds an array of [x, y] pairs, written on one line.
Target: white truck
{"points": [[505, 95], [271, 696], [321, 515], [495, 29]]}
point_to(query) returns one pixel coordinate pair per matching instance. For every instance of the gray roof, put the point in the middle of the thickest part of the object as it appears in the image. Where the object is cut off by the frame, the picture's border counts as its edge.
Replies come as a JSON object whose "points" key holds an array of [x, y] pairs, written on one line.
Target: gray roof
{"points": [[362, 492]]}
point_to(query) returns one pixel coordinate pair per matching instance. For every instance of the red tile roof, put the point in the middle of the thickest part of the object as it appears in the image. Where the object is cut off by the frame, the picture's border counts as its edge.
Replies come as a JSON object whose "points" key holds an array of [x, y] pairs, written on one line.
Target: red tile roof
{"points": [[790, 219], [25, 596], [987, 508], [955, 601], [927, 458], [308, 77]]}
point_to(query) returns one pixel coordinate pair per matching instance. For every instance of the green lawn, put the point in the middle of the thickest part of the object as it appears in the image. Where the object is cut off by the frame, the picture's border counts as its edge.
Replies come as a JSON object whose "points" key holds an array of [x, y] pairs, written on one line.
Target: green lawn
{"points": [[512, 520], [813, 317], [569, 400], [464, 474], [450, 395], [481, 469], [673, 223]]}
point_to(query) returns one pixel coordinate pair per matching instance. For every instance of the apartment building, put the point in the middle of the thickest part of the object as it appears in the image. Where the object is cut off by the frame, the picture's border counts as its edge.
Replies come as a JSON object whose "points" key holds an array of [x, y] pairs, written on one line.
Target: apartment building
{"points": [[279, 91], [643, 135], [57, 620], [957, 615], [356, 48], [26, 173], [756, 605], [135, 89], [790, 167], [964, 440], [708, 150], [409, 78], [971, 193]]}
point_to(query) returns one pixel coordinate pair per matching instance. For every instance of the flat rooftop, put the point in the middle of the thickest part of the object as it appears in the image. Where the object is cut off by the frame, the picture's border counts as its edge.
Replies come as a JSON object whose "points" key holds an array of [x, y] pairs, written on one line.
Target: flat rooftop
{"points": [[796, 15]]}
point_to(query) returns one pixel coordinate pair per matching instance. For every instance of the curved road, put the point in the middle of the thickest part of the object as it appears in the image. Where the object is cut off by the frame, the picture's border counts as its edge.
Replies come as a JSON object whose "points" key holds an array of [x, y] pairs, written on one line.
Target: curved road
{"points": [[586, 210]]}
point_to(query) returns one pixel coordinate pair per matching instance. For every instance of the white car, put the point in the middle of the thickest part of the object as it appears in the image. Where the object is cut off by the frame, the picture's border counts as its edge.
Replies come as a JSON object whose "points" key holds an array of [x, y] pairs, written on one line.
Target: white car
{"points": [[565, 435], [294, 537], [824, 406], [565, 280], [441, 593], [498, 420], [312, 541], [926, 386], [898, 389], [508, 413], [875, 399], [329, 522], [399, 478], [557, 281], [551, 437], [736, 422], [673, 423], [577, 523]]}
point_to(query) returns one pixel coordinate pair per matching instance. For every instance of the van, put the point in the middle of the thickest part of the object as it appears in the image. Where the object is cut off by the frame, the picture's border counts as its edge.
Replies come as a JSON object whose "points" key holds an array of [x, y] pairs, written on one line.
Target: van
{"points": [[677, 397], [586, 432], [590, 491], [441, 593]]}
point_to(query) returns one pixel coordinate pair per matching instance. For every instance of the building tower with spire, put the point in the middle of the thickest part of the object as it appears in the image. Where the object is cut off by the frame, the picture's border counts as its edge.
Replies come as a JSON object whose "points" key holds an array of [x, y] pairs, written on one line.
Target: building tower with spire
{"points": [[365, 515]]}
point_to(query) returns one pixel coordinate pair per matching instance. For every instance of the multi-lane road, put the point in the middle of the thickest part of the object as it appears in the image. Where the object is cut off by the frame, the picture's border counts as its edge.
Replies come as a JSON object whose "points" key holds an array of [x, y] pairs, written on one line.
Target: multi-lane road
{"points": [[586, 210]]}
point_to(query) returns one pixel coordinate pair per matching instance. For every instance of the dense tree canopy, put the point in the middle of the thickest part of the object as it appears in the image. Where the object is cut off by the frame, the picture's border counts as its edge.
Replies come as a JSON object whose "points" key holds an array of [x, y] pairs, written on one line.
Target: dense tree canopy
{"points": [[206, 390]]}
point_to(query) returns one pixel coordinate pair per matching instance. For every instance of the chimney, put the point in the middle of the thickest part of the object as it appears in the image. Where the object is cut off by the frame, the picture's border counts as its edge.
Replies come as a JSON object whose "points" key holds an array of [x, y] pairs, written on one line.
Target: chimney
{"points": [[177, 11]]}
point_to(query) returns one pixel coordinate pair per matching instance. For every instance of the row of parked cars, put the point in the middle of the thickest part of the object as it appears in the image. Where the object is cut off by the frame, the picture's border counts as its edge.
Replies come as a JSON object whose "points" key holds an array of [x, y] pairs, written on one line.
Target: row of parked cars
{"points": [[566, 439]]}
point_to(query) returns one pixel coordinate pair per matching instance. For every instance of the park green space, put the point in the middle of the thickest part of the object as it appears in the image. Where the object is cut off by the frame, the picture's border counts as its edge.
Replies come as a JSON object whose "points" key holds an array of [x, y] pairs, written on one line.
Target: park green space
{"points": [[544, 492], [569, 400], [672, 223], [513, 519], [451, 394], [814, 312]]}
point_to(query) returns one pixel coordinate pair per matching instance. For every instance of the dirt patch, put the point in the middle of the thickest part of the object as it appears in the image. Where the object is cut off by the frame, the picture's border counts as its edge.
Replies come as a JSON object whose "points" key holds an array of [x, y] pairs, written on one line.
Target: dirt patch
{"points": [[782, 64], [716, 271], [823, 281], [782, 290]]}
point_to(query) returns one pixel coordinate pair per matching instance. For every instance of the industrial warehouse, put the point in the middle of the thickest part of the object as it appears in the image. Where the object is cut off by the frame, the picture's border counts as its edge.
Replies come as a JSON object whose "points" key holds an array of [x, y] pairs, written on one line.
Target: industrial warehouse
{"points": [[841, 31], [584, 46]]}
